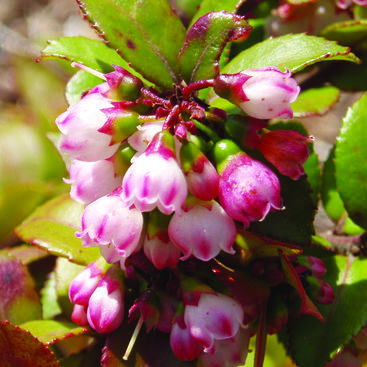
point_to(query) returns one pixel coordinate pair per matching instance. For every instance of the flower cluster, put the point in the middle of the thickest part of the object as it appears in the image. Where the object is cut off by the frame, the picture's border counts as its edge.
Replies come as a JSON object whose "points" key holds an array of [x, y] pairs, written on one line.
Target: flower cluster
{"points": [[158, 182]]}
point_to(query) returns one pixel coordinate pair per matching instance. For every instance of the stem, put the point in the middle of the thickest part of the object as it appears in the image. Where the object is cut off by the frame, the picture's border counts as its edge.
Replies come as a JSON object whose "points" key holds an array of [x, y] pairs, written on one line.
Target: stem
{"points": [[152, 96], [201, 84], [88, 70], [207, 130], [133, 339]]}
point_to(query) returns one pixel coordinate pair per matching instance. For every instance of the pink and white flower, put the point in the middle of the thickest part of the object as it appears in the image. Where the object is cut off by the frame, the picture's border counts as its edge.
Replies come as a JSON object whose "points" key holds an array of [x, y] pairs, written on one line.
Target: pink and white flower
{"points": [[261, 93], [106, 304], [79, 126], [248, 189], [215, 317], [91, 180], [109, 221], [202, 230], [155, 178]]}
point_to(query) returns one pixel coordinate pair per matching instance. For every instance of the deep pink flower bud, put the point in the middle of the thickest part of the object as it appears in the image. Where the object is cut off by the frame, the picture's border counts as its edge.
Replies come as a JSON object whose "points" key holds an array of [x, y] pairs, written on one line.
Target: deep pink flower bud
{"points": [[202, 177], [202, 230], [155, 178], [216, 317], [248, 189], [183, 345], [262, 93], [91, 180], [79, 315], [287, 150], [345, 4], [84, 284], [106, 305], [109, 221], [227, 353], [320, 291], [316, 265], [167, 309], [79, 126]]}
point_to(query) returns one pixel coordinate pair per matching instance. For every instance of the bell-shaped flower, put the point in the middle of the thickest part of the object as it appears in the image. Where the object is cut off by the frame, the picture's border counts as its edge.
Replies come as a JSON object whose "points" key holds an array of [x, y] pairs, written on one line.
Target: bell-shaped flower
{"points": [[79, 315], [109, 221], [92, 180], [85, 283], [287, 150], [202, 177], [227, 353], [248, 189], [215, 317], [80, 124], [106, 305], [183, 345], [202, 230], [155, 178], [262, 93]]}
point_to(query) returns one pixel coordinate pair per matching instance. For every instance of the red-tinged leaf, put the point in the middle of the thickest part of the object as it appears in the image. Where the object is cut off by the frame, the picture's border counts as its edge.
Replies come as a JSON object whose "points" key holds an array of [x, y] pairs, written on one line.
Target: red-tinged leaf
{"points": [[261, 339], [205, 42], [52, 331], [19, 301], [292, 278], [147, 34], [255, 246], [26, 254], [20, 349], [52, 227]]}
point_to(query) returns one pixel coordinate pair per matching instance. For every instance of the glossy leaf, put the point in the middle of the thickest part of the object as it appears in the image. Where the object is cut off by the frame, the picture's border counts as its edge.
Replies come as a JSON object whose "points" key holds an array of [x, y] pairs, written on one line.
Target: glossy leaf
{"points": [[208, 6], [86, 51], [19, 301], [293, 52], [148, 35], [205, 42], [315, 101], [294, 224], [343, 318], [350, 158], [347, 33], [52, 227], [20, 348], [51, 331]]}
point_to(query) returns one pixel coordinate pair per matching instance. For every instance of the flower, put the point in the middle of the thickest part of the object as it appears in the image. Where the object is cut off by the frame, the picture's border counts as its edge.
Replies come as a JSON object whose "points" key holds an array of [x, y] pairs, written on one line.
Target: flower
{"points": [[155, 178], [202, 230], [79, 315], [215, 317], [79, 126], [106, 305], [248, 189], [287, 150], [91, 180], [109, 222], [261, 93]]}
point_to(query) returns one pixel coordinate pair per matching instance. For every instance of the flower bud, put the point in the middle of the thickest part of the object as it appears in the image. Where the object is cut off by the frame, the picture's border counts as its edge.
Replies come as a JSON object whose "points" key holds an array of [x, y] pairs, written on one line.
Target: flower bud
{"points": [[202, 230], [106, 305], [155, 178], [91, 180], [316, 265], [287, 150], [248, 189], [79, 315], [320, 291], [202, 177], [262, 93]]}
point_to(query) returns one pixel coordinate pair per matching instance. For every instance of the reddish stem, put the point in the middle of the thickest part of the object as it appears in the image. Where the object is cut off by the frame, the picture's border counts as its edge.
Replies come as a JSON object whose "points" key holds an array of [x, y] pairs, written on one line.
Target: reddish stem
{"points": [[152, 96], [201, 84]]}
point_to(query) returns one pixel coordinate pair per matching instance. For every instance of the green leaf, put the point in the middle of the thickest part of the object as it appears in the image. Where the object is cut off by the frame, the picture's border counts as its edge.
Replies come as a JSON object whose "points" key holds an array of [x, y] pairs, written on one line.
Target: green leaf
{"points": [[186, 9], [50, 305], [347, 33], [350, 162], [208, 6], [147, 33], [65, 272], [26, 254], [52, 227], [19, 301], [315, 101], [343, 318], [51, 331], [293, 52], [20, 348], [294, 224], [205, 42], [78, 84], [86, 51]]}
